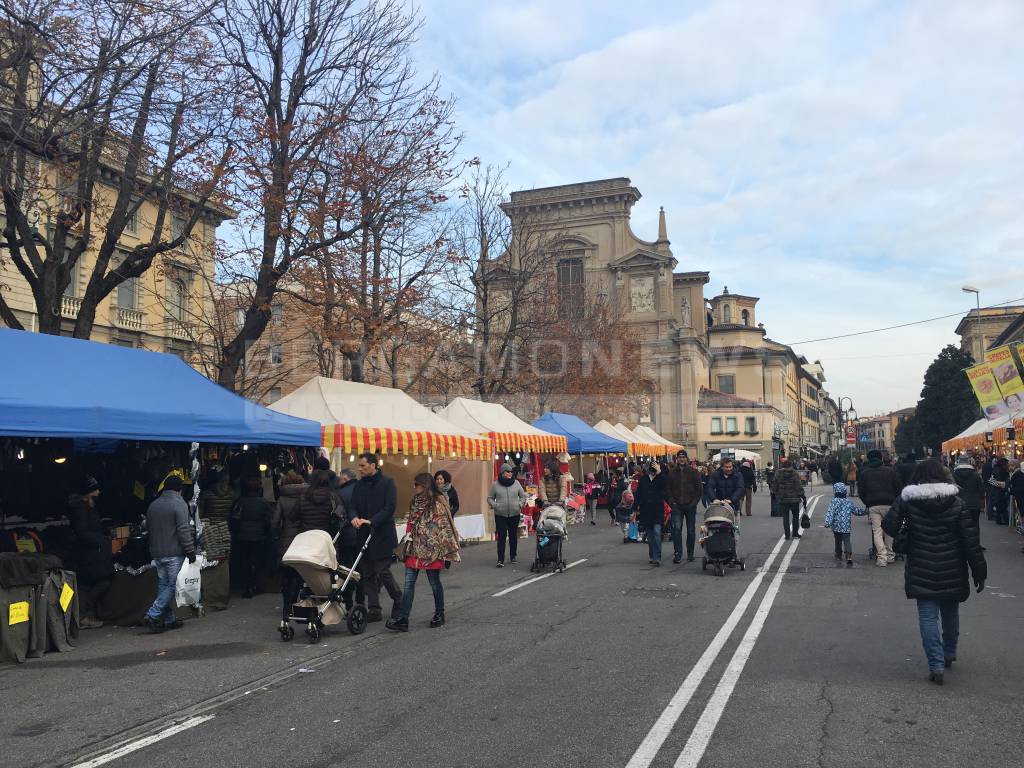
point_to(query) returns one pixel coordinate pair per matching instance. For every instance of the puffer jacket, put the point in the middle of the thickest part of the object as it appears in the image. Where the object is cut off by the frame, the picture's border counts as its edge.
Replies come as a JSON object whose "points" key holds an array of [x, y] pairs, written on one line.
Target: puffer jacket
{"points": [[878, 485], [216, 502], [285, 522], [729, 488], [972, 489], [944, 541], [315, 508], [786, 485]]}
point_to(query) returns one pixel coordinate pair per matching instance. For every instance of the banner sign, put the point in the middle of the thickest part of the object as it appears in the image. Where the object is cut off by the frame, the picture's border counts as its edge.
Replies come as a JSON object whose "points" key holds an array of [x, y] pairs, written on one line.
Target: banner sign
{"points": [[987, 390]]}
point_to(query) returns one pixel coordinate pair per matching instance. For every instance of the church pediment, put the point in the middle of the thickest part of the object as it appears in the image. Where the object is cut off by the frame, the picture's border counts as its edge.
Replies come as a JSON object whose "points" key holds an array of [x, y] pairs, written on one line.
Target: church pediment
{"points": [[640, 258]]}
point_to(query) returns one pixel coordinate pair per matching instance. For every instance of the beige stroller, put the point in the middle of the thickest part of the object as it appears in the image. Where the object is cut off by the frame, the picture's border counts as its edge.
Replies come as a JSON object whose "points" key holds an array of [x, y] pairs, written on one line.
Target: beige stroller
{"points": [[322, 598]]}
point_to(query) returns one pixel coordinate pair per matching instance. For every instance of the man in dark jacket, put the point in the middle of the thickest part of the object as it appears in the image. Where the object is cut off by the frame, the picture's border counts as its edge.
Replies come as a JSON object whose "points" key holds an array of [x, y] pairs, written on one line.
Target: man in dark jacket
{"points": [[170, 542], [749, 485], [251, 527], [943, 543], [374, 500], [972, 489], [725, 485], [789, 493], [906, 468], [685, 489], [651, 497], [94, 564], [880, 486], [835, 470]]}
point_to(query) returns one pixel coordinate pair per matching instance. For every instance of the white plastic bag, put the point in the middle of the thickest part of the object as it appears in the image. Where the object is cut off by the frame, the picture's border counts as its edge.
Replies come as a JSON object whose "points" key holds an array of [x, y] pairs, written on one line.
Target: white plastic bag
{"points": [[189, 586]]}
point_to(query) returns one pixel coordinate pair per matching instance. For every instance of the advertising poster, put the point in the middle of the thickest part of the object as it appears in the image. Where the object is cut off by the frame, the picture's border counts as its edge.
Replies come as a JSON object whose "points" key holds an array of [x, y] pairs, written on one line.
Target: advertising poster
{"points": [[1007, 376], [987, 390]]}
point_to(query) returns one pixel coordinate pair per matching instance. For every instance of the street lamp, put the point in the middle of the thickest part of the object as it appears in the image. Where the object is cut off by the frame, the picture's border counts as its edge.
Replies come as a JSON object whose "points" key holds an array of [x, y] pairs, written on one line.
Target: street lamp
{"points": [[846, 416], [975, 291]]}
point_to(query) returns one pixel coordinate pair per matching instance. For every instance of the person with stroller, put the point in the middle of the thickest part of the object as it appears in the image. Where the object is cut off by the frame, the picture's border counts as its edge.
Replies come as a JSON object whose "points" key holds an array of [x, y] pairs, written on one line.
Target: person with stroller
{"points": [[789, 493], [432, 545], [725, 484], [942, 543], [838, 518], [373, 502], [507, 499], [685, 490], [651, 497]]}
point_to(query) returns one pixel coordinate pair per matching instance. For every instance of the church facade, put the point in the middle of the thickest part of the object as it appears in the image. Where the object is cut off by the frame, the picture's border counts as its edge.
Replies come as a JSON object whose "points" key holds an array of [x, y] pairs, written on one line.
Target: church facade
{"points": [[718, 381]]}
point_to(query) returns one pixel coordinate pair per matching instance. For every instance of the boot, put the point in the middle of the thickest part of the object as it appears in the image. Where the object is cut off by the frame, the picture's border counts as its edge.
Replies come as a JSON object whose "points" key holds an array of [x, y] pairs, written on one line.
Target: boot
{"points": [[397, 625], [438, 620]]}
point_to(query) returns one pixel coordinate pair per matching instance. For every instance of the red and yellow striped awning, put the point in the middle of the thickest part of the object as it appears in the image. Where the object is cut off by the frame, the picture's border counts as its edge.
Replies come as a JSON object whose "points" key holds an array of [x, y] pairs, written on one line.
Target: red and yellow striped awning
{"points": [[386, 441], [977, 441], [647, 449], [513, 441]]}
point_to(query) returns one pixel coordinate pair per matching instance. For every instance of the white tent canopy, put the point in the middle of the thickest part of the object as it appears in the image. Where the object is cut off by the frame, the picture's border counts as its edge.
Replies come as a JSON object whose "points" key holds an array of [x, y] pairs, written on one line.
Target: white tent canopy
{"points": [[650, 446], [739, 454], [644, 431], [631, 440], [508, 431]]}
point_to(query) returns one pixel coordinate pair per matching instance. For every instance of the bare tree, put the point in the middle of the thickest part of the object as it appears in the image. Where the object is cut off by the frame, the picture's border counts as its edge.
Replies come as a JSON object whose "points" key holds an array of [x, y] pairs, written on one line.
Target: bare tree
{"points": [[306, 69], [105, 105]]}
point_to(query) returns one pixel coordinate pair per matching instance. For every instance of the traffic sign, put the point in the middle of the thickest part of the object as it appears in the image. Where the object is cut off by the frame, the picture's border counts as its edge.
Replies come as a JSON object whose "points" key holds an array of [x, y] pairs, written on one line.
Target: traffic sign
{"points": [[864, 437], [851, 434]]}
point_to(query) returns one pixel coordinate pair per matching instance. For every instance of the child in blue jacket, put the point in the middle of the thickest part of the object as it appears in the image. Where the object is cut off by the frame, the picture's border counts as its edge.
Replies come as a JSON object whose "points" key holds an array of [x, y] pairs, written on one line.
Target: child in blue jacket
{"points": [[840, 510]]}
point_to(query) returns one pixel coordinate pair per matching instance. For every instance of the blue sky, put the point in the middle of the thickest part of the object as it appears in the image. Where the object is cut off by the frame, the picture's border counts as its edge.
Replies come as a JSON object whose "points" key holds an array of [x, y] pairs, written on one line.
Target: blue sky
{"points": [[851, 163]]}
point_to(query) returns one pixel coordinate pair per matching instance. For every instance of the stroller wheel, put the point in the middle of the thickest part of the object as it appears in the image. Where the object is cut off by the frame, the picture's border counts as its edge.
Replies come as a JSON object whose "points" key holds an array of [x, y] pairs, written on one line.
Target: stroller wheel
{"points": [[743, 565], [719, 569], [356, 620], [312, 632], [287, 632], [534, 568], [703, 563]]}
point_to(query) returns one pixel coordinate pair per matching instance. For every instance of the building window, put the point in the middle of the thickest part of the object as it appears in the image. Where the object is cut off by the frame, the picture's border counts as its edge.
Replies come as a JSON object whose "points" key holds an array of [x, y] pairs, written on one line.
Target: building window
{"points": [[716, 425], [570, 288], [727, 383], [745, 317], [275, 354], [730, 425], [177, 298], [240, 317], [726, 314], [811, 413], [126, 294], [124, 342], [276, 312], [177, 227], [133, 222], [751, 425], [274, 395]]}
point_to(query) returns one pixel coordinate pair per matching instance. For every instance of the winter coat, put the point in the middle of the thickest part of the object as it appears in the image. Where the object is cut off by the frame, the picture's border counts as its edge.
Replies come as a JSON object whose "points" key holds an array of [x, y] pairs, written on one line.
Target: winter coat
{"points": [[349, 536], [453, 499], [374, 499], [905, 470], [285, 522], [685, 486], [749, 478], [433, 539], [972, 489], [720, 487], [840, 510], [93, 559], [878, 485], [216, 502], [651, 496], [170, 534], [835, 470], [251, 520], [1016, 487], [613, 492], [944, 541], [851, 472], [315, 508], [506, 500], [551, 489], [787, 486]]}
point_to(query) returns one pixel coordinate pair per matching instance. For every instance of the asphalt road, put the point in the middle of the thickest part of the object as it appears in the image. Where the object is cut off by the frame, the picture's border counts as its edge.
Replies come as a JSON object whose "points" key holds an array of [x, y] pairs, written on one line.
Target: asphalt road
{"points": [[613, 663]]}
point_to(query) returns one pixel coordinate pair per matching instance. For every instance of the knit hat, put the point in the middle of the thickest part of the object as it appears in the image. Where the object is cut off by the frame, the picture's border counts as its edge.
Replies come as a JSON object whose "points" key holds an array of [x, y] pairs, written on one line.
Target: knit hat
{"points": [[87, 485], [840, 490], [173, 483], [506, 467]]}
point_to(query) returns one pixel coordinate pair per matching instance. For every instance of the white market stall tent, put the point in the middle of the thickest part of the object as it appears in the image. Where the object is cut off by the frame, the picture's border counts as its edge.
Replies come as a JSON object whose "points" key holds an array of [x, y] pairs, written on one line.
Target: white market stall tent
{"points": [[409, 438], [636, 445], [642, 430], [739, 454]]}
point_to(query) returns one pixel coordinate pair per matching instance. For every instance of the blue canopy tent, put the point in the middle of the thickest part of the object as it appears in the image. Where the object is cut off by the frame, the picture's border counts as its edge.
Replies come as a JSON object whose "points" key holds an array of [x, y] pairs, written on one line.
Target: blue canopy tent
{"points": [[60, 387], [582, 438]]}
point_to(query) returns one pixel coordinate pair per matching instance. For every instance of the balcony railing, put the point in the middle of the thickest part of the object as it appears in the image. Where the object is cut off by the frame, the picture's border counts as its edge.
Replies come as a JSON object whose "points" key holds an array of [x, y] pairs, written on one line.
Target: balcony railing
{"points": [[129, 319], [69, 306], [179, 330]]}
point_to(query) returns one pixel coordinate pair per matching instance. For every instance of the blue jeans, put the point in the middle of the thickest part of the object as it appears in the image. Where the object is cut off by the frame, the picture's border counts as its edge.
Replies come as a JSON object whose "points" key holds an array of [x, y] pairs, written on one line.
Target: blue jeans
{"points": [[683, 514], [654, 541], [938, 645], [167, 569], [434, 579]]}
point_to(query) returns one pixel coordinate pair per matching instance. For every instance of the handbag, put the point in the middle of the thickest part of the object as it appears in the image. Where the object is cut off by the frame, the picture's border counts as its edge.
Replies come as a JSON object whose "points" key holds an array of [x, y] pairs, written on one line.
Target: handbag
{"points": [[805, 520], [402, 550]]}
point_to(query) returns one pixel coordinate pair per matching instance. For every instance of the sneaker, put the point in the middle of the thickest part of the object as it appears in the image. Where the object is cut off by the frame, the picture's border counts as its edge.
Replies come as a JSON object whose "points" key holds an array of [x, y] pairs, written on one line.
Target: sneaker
{"points": [[593, 522], [849, 563], [88, 622], [787, 538], [677, 559], [437, 621], [397, 625], [797, 536], [512, 561], [948, 661], [501, 564], [937, 677], [689, 558], [839, 555], [625, 540], [154, 626]]}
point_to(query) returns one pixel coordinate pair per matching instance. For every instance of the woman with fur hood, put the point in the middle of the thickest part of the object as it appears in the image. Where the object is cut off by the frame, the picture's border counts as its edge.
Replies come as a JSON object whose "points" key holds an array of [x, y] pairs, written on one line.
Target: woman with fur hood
{"points": [[942, 542]]}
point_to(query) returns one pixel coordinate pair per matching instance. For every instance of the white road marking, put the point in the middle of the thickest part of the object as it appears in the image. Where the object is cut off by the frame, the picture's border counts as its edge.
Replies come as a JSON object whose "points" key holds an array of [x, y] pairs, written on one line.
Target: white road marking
{"points": [[145, 741], [693, 752], [652, 743], [535, 579]]}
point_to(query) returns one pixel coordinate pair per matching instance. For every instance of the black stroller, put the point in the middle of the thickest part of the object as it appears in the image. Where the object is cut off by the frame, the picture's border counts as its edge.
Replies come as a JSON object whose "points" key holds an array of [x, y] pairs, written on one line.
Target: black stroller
{"points": [[550, 534], [718, 538]]}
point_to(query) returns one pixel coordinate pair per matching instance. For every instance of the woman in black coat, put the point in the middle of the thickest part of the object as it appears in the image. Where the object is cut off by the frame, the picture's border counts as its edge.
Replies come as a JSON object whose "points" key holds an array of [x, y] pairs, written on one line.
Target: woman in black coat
{"points": [[443, 484], [651, 495], [942, 543]]}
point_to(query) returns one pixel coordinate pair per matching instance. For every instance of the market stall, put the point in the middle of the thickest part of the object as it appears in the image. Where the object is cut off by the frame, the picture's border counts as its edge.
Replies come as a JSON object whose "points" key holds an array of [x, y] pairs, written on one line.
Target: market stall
{"points": [[125, 419], [642, 430], [409, 438], [976, 436], [637, 447]]}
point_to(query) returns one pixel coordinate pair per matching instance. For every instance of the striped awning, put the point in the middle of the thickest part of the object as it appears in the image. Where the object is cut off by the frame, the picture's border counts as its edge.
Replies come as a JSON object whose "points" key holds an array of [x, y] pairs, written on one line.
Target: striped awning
{"points": [[513, 441], [387, 441], [976, 441]]}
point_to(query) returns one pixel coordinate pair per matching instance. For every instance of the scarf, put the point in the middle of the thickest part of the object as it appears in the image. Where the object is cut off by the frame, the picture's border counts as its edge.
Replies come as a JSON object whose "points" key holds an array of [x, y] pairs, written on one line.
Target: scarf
{"points": [[445, 487], [507, 483]]}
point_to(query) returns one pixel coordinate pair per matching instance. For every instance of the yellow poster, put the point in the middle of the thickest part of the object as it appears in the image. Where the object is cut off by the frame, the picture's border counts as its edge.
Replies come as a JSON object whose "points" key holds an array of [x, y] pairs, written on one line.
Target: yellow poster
{"points": [[17, 613], [1004, 368], [65, 597], [986, 390]]}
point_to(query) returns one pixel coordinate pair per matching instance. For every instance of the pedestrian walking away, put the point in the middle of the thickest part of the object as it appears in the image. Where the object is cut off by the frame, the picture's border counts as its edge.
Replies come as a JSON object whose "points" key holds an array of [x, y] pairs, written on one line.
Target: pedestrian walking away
{"points": [[651, 497], [942, 543], [789, 493], [685, 489], [880, 486], [432, 544], [373, 501], [852, 471], [838, 517], [749, 485], [250, 525], [998, 484], [972, 488], [613, 493], [171, 541], [506, 499]]}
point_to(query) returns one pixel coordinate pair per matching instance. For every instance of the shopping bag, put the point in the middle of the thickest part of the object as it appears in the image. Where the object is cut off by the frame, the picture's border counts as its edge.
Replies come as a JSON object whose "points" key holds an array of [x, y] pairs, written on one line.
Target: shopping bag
{"points": [[634, 532], [805, 520], [189, 586]]}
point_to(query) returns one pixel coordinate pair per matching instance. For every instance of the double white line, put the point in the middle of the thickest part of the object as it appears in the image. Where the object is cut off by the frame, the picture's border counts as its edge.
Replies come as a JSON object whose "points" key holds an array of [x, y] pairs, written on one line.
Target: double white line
{"points": [[705, 727]]}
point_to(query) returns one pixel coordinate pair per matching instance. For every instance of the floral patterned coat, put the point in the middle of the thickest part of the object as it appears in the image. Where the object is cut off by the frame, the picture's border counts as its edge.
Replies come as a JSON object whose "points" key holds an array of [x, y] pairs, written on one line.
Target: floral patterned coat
{"points": [[432, 535]]}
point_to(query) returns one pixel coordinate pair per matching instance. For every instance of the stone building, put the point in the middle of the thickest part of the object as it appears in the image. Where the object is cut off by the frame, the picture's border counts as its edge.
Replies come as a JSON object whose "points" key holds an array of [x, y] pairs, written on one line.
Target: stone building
{"points": [[979, 328]]}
